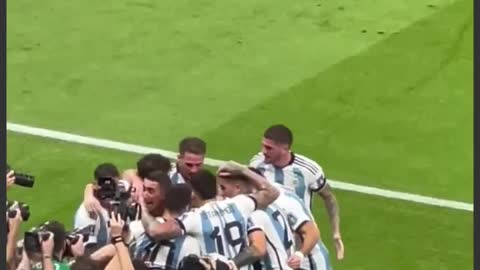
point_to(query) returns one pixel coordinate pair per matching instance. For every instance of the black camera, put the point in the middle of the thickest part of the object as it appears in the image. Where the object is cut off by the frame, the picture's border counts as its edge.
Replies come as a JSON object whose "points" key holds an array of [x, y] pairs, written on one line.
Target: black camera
{"points": [[23, 207], [117, 193], [22, 179], [33, 238], [74, 236]]}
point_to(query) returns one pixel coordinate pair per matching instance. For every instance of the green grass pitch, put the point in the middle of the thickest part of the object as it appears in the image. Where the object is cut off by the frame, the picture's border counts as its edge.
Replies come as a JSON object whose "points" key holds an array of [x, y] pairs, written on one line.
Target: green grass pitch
{"points": [[378, 92]]}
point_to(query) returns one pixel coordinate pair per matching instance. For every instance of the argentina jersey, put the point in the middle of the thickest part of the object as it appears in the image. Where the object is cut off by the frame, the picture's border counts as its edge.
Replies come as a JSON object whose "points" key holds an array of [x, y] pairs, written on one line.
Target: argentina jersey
{"points": [[175, 175], [273, 222], [101, 233], [220, 226], [165, 254], [297, 215], [302, 174]]}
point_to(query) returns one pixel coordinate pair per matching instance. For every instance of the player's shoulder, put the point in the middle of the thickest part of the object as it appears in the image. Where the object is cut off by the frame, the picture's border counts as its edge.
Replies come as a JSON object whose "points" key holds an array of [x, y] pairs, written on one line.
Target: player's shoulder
{"points": [[306, 164], [257, 160]]}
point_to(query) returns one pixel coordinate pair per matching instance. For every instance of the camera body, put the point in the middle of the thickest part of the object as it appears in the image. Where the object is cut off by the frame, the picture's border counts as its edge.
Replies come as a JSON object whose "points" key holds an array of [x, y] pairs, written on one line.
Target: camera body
{"points": [[32, 240], [23, 207], [74, 236], [117, 193]]}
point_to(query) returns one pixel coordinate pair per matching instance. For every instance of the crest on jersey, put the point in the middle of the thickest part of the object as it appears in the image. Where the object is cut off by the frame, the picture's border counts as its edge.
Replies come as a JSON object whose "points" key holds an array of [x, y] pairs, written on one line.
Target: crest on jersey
{"points": [[291, 219]]}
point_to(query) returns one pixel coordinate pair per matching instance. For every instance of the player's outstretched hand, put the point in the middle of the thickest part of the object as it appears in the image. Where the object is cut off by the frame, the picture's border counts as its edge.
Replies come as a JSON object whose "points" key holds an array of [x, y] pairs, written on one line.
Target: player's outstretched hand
{"points": [[339, 248]]}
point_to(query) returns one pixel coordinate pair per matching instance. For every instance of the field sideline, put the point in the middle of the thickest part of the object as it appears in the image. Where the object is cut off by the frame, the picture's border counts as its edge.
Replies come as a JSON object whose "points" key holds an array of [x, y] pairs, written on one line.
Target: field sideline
{"points": [[378, 92], [103, 143]]}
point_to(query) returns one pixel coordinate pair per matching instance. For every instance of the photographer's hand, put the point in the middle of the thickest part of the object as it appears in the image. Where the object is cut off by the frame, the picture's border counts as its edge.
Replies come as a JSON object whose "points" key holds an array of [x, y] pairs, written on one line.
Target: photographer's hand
{"points": [[78, 249], [116, 230], [10, 178], [47, 252]]}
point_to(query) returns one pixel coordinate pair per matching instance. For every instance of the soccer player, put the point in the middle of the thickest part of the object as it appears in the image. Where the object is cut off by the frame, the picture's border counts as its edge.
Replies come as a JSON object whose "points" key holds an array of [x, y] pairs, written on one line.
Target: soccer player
{"points": [[167, 254], [279, 164], [311, 252], [272, 221], [219, 226], [191, 154]]}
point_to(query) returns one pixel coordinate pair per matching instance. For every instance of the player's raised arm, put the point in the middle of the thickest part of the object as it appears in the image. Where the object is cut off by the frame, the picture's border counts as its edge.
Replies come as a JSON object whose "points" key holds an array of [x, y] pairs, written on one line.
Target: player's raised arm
{"points": [[256, 250], [265, 193], [159, 231]]}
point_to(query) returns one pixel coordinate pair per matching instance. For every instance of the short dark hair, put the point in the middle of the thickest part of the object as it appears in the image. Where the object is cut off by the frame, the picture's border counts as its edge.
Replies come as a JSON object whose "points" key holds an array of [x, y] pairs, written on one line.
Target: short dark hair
{"points": [[257, 171], [59, 234], [106, 170], [192, 145], [152, 162], [178, 198], [279, 134], [85, 263], [161, 178], [204, 184]]}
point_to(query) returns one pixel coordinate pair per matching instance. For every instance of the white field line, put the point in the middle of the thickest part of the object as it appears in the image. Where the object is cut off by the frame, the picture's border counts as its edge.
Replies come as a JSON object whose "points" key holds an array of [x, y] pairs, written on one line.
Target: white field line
{"points": [[73, 138]]}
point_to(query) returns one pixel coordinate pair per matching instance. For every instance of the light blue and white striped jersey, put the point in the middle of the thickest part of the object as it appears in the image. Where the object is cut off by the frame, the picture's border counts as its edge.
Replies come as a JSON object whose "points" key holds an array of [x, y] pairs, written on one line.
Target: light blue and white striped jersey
{"points": [[297, 215], [302, 174], [101, 234], [175, 175], [165, 254], [220, 226], [273, 222]]}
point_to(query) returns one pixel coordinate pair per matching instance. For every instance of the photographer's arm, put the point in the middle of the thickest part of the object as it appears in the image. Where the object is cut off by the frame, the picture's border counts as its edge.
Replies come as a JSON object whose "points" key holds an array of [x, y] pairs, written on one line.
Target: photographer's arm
{"points": [[14, 226], [47, 253], [25, 262]]}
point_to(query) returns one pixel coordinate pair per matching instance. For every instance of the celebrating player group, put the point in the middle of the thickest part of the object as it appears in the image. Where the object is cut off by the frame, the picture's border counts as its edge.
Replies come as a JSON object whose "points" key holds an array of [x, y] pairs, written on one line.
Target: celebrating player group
{"points": [[255, 216]]}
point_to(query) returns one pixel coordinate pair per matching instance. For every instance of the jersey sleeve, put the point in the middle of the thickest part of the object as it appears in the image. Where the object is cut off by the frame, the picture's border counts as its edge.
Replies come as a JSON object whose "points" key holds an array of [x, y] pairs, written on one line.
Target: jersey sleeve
{"points": [[296, 216], [257, 221], [256, 161], [247, 204], [316, 180], [190, 223], [83, 219]]}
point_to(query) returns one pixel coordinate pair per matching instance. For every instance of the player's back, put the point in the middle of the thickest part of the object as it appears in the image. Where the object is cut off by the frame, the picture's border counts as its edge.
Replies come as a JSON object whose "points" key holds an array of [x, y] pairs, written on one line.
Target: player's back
{"points": [[165, 254], [297, 214], [220, 226], [273, 222]]}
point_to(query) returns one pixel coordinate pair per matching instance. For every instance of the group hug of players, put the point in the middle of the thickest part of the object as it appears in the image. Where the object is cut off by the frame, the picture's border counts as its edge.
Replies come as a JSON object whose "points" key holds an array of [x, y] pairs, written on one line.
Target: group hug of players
{"points": [[241, 217]]}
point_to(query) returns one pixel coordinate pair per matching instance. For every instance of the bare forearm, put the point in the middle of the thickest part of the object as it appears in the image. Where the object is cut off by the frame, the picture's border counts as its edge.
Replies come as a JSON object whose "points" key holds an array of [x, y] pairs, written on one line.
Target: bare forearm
{"points": [[11, 245], [104, 254], [124, 257], [159, 231], [266, 192], [48, 264], [88, 192], [333, 214], [248, 256], [310, 235]]}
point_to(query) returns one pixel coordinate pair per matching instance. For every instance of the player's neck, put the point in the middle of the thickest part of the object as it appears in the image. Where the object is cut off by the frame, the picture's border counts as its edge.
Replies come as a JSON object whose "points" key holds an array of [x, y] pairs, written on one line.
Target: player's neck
{"points": [[285, 160], [169, 215]]}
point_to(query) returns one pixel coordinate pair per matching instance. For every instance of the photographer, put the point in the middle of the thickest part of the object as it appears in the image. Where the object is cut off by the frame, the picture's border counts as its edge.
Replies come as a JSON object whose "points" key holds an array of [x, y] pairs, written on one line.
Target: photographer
{"points": [[49, 248], [145, 165], [83, 218]]}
